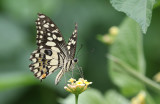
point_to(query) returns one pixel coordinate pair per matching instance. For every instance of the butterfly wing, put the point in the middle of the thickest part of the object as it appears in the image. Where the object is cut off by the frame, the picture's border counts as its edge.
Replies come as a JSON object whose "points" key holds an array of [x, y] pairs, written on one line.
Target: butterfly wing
{"points": [[51, 50], [71, 46]]}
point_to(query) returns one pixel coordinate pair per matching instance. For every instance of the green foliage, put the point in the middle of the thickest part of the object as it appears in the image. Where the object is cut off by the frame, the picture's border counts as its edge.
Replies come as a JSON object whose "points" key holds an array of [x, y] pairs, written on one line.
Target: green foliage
{"points": [[157, 4], [113, 97], [139, 10], [128, 47]]}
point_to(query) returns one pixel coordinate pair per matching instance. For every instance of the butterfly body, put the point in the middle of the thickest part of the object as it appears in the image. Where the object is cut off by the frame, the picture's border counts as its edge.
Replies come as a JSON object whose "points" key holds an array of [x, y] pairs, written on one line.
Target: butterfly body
{"points": [[52, 52]]}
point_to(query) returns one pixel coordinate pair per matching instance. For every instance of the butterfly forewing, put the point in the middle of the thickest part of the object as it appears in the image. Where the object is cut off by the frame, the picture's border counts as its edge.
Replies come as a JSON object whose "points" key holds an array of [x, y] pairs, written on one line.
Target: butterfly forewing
{"points": [[71, 46], [48, 35]]}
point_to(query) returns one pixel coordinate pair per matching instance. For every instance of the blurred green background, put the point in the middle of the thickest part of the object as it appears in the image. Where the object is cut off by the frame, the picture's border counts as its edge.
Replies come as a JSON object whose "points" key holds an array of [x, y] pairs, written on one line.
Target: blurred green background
{"points": [[18, 40]]}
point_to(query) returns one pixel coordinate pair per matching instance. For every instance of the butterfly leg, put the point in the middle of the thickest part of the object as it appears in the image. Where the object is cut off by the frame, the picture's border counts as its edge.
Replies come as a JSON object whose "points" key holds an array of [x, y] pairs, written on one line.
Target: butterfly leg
{"points": [[80, 71], [72, 72]]}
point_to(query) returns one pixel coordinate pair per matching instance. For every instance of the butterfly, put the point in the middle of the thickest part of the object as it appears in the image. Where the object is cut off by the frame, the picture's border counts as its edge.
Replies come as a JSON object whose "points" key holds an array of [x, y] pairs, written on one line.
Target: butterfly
{"points": [[53, 52]]}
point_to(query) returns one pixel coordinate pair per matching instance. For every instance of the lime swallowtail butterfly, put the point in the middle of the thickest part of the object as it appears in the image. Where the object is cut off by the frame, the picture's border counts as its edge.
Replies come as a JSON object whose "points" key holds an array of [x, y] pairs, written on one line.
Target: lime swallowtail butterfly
{"points": [[52, 53]]}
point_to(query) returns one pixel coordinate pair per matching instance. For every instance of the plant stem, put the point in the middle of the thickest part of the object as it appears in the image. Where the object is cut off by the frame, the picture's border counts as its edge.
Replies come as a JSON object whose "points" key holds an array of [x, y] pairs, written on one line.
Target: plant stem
{"points": [[76, 98], [135, 74]]}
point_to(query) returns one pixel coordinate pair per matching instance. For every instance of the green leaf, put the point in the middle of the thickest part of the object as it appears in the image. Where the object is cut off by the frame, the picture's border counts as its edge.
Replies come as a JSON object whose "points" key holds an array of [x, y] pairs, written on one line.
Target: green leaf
{"points": [[139, 10], [128, 48], [149, 99], [157, 4], [91, 96], [113, 97]]}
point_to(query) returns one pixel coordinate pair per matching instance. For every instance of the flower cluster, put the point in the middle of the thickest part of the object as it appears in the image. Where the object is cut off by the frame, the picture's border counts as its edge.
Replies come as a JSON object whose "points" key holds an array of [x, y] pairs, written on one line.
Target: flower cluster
{"points": [[77, 87], [110, 36], [139, 99], [157, 77]]}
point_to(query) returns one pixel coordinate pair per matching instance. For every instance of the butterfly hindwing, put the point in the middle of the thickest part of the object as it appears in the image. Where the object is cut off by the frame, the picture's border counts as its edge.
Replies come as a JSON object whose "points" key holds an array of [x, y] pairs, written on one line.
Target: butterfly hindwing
{"points": [[43, 64]]}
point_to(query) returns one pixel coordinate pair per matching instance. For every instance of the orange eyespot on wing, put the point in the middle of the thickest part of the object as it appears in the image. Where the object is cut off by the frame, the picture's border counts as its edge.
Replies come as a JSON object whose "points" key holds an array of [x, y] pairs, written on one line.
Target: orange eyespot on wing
{"points": [[43, 76]]}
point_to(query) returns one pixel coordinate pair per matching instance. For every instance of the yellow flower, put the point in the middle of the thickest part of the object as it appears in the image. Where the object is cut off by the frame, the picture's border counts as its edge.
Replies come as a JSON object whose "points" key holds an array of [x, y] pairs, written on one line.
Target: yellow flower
{"points": [[157, 77], [113, 30], [107, 39], [139, 99], [77, 87], [79, 82], [87, 83], [71, 80]]}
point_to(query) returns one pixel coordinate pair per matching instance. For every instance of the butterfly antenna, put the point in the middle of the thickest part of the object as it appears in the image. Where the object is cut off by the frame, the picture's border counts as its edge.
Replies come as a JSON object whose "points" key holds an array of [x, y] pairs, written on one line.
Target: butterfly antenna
{"points": [[79, 50], [80, 70]]}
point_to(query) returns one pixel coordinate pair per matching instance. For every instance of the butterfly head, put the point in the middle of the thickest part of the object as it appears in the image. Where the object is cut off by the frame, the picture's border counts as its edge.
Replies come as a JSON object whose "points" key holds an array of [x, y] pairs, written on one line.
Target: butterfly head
{"points": [[75, 60]]}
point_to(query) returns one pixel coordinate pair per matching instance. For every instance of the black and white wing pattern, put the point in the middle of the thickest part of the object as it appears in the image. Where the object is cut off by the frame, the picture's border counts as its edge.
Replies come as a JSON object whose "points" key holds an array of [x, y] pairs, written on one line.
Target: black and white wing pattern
{"points": [[52, 52], [71, 46]]}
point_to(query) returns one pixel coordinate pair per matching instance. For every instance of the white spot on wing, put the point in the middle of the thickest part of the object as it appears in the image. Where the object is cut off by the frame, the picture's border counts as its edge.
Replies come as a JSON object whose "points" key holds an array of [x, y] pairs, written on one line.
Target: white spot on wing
{"points": [[34, 51], [38, 74], [52, 25], [74, 35], [34, 60], [55, 31], [41, 32], [59, 38], [50, 43], [44, 21], [45, 25], [35, 71], [73, 42], [41, 47], [49, 34], [36, 65], [49, 38], [68, 47], [30, 68], [36, 55], [54, 36], [40, 36], [41, 16]]}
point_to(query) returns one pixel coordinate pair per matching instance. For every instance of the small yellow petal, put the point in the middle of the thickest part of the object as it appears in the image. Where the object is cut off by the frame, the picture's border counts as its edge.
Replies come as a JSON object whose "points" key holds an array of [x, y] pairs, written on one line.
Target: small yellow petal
{"points": [[79, 82], [81, 79], [71, 80], [87, 83], [139, 99]]}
